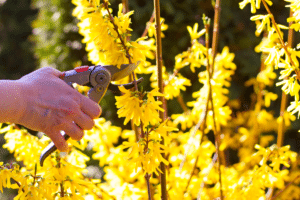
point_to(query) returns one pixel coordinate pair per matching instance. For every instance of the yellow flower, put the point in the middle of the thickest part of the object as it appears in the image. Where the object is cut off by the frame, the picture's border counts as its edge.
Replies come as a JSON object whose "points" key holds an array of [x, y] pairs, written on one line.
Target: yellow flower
{"points": [[255, 4], [174, 85], [105, 44], [193, 32], [152, 29], [268, 97], [129, 106]]}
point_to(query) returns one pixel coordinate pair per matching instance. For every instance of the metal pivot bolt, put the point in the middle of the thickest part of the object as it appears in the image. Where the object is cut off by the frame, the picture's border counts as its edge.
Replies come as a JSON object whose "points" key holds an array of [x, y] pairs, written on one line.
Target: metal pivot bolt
{"points": [[99, 89], [101, 78]]}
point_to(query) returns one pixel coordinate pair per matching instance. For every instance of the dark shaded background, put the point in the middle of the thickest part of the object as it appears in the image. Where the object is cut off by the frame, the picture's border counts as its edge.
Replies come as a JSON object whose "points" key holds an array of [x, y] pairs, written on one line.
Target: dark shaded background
{"points": [[38, 33]]}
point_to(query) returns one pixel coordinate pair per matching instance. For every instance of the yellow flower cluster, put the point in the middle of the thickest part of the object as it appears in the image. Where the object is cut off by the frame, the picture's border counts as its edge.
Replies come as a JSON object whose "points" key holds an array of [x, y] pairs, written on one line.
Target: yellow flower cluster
{"points": [[56, 177], [105, 43], [132, 106], [224, 68], [127, 158], [279, 56]]}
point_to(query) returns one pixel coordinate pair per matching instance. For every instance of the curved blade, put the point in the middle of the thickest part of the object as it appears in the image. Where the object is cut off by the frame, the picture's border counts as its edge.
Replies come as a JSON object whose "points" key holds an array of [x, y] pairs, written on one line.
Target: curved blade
{"points": [[125, 70], [115, 87]]}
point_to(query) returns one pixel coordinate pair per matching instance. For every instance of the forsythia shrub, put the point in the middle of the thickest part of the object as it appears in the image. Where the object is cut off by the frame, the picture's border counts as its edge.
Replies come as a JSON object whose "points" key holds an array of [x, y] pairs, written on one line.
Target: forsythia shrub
{"points": [[196, 167]]}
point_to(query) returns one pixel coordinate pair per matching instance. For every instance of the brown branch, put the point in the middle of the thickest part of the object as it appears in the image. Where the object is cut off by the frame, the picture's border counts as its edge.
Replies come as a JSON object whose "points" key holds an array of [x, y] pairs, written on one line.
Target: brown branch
{"points": [[281, 39], [111, 19], [62, 190], [148, 25], [214, 159], [215, 39], [163, 181], [202, 118], [194, 167], [283, 105], [281, 125], [217, 138], [147, 177], [125, 6], [210, 71], [181, 103], [19, 184]]}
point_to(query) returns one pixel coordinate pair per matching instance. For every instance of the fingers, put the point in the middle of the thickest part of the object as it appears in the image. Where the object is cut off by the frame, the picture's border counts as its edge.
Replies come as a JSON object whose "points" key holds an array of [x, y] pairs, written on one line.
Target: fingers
{"points": [[74, 131], [84, 121], [58, 140], [90, 107]]}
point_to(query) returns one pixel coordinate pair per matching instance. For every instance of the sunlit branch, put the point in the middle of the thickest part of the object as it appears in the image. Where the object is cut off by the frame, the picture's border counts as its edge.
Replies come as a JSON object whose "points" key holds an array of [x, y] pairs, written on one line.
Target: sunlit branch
{"points": [[281, 191], [281, 125], [111, 19], [281, 39], [216, 131], [163, 180], [148, 25], [215, 39]]}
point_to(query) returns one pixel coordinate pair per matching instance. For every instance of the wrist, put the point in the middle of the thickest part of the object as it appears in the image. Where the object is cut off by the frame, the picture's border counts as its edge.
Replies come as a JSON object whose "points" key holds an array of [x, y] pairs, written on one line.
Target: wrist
{"points": [[11, 101]]}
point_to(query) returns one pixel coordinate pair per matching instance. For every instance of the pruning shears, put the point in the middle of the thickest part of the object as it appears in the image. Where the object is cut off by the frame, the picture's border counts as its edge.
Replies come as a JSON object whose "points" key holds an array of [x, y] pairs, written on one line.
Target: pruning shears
{"points": [[98, 78]]}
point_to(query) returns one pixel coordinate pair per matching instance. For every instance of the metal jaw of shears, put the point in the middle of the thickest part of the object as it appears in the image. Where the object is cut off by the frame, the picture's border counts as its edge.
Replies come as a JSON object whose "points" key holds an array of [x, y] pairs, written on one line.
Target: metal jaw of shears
{"points": [[99, 79]]}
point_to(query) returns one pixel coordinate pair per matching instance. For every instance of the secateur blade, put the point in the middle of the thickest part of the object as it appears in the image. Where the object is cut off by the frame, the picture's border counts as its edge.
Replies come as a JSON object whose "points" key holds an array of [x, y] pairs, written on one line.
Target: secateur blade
{"points": [[125, 70], [114, 88]]}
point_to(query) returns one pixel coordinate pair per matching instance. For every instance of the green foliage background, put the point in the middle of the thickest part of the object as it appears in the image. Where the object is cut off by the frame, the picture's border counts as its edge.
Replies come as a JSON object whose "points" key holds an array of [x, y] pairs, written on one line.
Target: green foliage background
{"points": [[42, 33]]}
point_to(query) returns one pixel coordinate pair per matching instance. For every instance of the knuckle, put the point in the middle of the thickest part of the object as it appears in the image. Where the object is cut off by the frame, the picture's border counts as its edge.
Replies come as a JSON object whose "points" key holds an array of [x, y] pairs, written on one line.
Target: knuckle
{"points": [[58, 122], [47, 69], [67, 108]]}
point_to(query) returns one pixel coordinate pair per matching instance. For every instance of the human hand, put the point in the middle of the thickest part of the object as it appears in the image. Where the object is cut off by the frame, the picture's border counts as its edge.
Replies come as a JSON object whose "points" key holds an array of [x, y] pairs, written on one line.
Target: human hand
{"points": [[50, 105]]}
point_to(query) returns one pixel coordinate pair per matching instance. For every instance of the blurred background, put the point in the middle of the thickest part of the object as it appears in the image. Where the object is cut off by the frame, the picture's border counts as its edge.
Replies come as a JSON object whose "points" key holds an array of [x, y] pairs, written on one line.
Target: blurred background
{"points": [[39, 33]]}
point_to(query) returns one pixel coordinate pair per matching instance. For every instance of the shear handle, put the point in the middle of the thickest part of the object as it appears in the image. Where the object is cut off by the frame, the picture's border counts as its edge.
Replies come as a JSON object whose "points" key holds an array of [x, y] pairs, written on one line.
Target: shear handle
{"points": [[50, 149]]}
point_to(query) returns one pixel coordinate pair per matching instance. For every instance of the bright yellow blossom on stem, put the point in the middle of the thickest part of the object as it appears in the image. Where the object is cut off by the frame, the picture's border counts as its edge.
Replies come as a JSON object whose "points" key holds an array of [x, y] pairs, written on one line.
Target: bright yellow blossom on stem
{"points": [[131, 106], [255, 4], [104, 42], [193, 32]]}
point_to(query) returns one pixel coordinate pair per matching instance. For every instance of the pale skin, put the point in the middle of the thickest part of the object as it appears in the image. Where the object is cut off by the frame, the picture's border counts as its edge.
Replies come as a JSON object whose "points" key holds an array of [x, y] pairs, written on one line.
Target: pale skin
{"points": [[41, 101]]}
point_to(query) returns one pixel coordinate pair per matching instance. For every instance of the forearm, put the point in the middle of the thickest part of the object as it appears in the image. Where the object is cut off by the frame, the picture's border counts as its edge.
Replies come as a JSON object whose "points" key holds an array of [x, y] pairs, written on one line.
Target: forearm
{"points": [[11, 104]]}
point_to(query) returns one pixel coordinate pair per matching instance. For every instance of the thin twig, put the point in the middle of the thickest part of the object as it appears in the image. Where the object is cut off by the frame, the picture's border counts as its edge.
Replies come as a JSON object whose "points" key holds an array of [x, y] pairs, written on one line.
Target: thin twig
{"points": [[163, 181], [181, 103], [148, 25], [125, 6], [142, 135], [19, 184], [215, 158], [194, 167], [281, 39], [281, 191], [147, 177], [111, 19], [217, 138], [62, 192], [210, 70], [215, 39], [281, 125], [283, 105]]}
